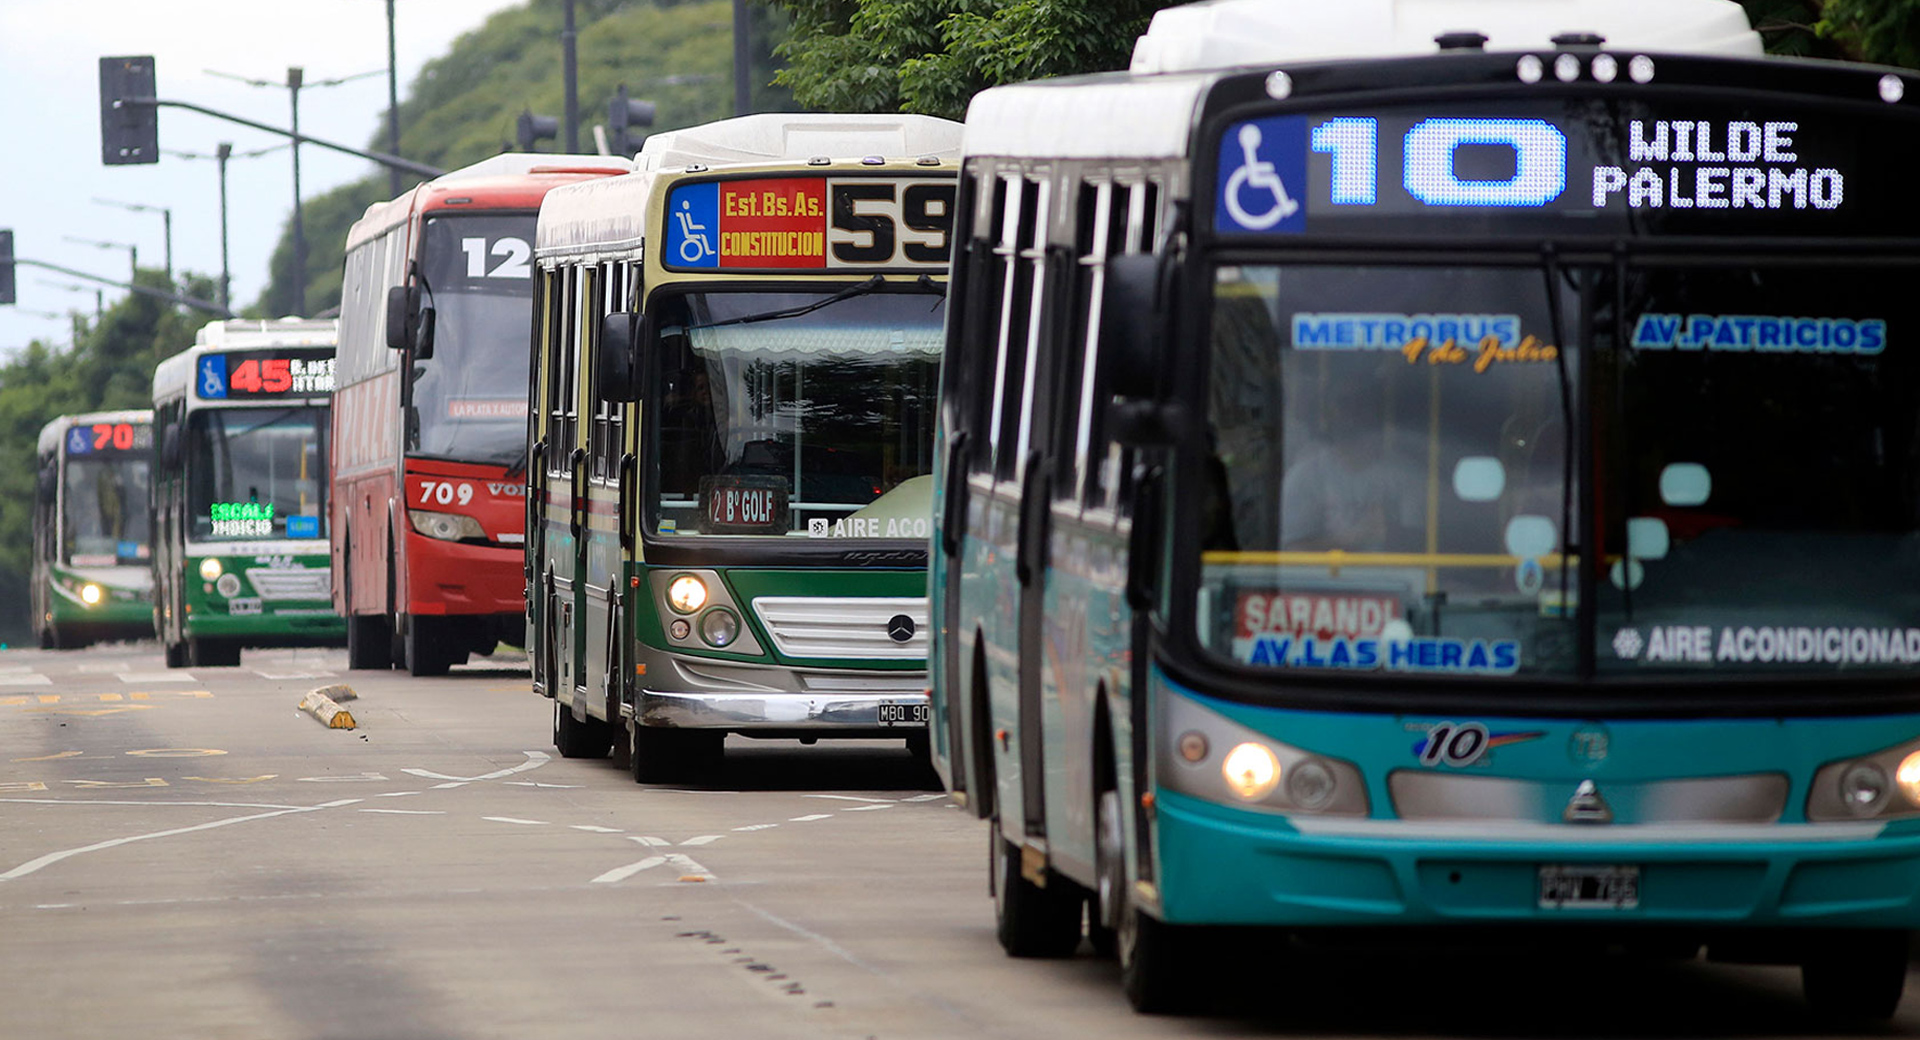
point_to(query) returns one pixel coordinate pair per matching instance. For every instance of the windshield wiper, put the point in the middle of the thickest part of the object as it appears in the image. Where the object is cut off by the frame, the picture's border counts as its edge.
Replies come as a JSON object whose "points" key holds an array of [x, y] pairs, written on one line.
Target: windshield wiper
{"points": [[861, 289], [519, 465]]}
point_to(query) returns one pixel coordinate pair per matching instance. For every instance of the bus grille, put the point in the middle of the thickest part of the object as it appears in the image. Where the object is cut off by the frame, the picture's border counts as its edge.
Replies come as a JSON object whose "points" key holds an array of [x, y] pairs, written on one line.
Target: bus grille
{"points": [[845, 626], [310, 583]]}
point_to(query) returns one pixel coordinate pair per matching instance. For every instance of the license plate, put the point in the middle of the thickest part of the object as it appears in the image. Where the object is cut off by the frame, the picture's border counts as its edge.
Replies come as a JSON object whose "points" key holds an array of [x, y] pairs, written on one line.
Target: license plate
{"points": [[244, 607], [1564, 887], [903, 714]]}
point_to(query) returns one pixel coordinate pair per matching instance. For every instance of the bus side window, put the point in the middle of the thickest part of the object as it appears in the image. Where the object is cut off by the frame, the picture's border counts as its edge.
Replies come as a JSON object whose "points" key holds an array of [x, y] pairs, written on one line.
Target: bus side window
{"points": [[974, 352], [1018, 238], [1137, 226]]}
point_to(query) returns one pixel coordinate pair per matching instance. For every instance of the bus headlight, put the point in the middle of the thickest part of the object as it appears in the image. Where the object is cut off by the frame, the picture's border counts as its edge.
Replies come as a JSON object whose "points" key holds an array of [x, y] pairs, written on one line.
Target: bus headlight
{"points": [[210, 568], [1883, 784], [228, 585], [686, 594], [1251, 771], [90, 594], [719, 627], [448, 527]]}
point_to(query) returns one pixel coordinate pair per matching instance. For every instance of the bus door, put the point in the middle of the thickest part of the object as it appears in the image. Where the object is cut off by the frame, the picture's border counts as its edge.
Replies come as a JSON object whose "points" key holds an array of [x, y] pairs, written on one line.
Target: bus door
{"points": [[566, 469], [603, 516]]}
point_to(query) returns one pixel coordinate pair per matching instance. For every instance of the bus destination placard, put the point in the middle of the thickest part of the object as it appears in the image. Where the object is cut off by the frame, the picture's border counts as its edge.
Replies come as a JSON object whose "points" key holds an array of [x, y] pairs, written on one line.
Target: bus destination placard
{"points": [[265, 374], [810, 223], [743, 505], [109, 439]]}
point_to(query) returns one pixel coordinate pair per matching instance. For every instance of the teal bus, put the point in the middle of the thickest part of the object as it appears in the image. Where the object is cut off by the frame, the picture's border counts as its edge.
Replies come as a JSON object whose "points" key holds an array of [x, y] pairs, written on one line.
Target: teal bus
{"points": [[90, 535], [239, 491], [1453, 471]]}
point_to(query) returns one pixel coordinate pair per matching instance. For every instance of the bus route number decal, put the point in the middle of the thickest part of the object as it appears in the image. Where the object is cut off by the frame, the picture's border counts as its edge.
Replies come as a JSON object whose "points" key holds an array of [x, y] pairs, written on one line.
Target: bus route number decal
{"points": [[445, 493], [810, 223], [512, 256]]}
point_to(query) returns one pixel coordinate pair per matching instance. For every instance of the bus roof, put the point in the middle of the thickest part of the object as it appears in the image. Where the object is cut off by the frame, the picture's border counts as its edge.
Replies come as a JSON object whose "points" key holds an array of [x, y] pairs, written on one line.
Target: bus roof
{"points": [[51, 433], [171, 375], [1148, 112], [610, 214], [515, 180]]}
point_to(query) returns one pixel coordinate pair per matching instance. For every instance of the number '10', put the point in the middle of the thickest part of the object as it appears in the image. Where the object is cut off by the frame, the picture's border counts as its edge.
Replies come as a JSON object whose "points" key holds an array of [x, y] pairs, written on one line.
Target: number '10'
{"points": [[1539, 166]]}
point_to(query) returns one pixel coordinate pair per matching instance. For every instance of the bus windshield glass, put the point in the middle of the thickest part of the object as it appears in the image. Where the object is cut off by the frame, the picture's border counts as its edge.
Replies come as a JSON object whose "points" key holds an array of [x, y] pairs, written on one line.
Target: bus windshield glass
{"points": [[104, 512], [469, 400], [1391, 488], [257, 474], [811, 425]]}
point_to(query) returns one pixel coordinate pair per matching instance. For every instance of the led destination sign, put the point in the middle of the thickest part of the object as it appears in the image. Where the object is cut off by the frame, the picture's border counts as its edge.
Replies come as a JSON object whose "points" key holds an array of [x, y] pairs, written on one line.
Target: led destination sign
{"points": [[109, 438], [1579, 167], [817, 223], [294, 372]]}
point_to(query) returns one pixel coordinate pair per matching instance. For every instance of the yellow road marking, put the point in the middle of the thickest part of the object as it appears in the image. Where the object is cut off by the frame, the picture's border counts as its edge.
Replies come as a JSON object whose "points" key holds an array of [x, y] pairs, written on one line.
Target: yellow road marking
{"points": [[110, 697], [49, 758], [152, 781], [49, 698], [139, 696], [94, 711], [21, 786], [12, 702], [232, 779]]}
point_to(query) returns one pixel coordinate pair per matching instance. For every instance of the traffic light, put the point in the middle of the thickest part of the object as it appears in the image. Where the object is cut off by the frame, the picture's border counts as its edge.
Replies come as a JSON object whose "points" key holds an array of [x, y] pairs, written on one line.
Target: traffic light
{"points": [[129, 133], [6, 267], [534, 129], [624, 114]]}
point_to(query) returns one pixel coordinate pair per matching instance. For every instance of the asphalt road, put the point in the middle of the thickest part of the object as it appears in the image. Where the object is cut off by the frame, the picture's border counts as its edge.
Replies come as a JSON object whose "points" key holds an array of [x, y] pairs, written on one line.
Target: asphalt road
{"points": [[184, 854]]}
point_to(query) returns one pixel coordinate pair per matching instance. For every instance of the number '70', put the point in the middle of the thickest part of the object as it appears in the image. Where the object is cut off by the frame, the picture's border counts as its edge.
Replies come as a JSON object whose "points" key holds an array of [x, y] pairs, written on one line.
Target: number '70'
{"points": [[1539, 166]]}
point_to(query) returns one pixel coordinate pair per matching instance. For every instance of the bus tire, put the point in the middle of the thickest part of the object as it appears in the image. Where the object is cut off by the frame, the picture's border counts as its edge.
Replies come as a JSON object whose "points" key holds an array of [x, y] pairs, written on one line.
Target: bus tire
{"points": [[1155, 962], [428, 650], [576, 739], [1110, 874], [1856, 977], [369, 643], [664, 756], [176, 655], [1031, 920], [213, 653]]}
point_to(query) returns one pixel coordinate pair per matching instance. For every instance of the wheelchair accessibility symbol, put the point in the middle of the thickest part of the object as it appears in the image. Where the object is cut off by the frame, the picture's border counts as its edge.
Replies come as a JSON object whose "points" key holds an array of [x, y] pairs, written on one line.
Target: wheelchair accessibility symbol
{"points": [[1253, 189], [694, 246]]}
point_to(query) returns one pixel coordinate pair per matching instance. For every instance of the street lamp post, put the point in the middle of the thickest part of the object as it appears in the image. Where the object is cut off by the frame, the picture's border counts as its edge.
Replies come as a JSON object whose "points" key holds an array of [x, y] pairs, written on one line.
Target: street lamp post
{"points": [[133, 251], [296, 78], [220, 156], [99, 295], [166, 216], [393, 107]]}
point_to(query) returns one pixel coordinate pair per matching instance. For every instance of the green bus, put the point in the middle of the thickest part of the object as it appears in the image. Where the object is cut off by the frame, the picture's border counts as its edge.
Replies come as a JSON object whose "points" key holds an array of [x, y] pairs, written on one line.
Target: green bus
{"points": [[239, 491], [90, 534]]}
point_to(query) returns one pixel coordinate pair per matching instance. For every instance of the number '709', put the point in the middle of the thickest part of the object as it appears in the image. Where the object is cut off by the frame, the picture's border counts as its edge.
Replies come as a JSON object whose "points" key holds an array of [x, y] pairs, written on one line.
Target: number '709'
{"points": [[445, 492]]}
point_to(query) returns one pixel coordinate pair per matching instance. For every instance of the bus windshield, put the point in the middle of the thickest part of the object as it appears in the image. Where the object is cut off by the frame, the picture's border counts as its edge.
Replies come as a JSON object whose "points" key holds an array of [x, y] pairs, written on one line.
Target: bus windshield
{"points": [[104, 512], [469, 401], [1392, 486], [257, 473], [814, 425]]}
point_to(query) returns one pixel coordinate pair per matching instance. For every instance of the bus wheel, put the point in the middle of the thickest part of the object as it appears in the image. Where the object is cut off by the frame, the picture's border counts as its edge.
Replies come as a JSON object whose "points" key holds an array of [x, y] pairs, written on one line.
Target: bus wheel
{"points": [[1856, 976], [369, 643], [176, 655], [213, 653], [576, 739], [1033, 921], [1110, 875], [427, 648], [49, 639], [663, 756], [1155, 962]]}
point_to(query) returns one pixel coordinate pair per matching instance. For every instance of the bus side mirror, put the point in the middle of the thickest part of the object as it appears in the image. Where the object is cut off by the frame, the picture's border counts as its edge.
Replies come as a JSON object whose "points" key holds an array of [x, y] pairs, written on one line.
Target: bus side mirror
{"points": [[614, 366], [399, 311], [170, 449], [1130, 324], [423, 335], [49, 482]]}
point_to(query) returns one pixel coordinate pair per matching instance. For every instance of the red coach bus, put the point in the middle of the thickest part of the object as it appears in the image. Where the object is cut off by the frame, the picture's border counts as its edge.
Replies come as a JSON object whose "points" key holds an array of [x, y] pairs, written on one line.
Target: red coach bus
{"points": [[431, 413]]}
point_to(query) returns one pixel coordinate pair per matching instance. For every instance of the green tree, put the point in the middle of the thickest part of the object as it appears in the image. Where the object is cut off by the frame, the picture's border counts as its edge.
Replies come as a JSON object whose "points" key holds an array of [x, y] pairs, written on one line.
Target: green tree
{"points": [[932, 56]]}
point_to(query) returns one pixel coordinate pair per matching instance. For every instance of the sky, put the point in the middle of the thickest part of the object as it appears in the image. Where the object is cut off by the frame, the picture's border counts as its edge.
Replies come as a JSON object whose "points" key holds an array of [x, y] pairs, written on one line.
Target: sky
{"points": [[50, 169]]}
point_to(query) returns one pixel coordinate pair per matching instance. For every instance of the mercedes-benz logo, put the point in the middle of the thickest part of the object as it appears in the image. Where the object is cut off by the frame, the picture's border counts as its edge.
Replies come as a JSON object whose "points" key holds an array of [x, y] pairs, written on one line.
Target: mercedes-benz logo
{"points": [[900, 628]]}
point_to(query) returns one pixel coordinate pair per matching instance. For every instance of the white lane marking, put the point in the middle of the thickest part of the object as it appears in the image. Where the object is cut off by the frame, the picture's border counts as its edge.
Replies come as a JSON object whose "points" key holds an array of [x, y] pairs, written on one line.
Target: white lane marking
{"points": [[516, 819], [11, 668], [410, 812], [648, 840], [596, 828], [848, 797], [357, 778], [923, 798], [99, 668], [54, 857], [704, 839], [868, 808], [456, 783], [622, 873], [756, 827], [105, 801], [815, 816], [398, 794], [535, 759], [157, 677], [293, 675], [688, 866], [25, 680], [530, 783]]}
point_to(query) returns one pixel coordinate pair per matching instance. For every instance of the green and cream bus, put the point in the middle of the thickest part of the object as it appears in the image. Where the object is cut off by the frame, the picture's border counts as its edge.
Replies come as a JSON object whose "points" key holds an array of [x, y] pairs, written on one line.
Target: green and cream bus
{"points": [[90, 540], [239, 491], [731, 438]]}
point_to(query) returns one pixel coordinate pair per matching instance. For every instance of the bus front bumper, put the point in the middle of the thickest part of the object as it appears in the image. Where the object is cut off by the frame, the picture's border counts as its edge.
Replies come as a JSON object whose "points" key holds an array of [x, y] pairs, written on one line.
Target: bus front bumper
{"points": [[1221, 865], [836, 714]]}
